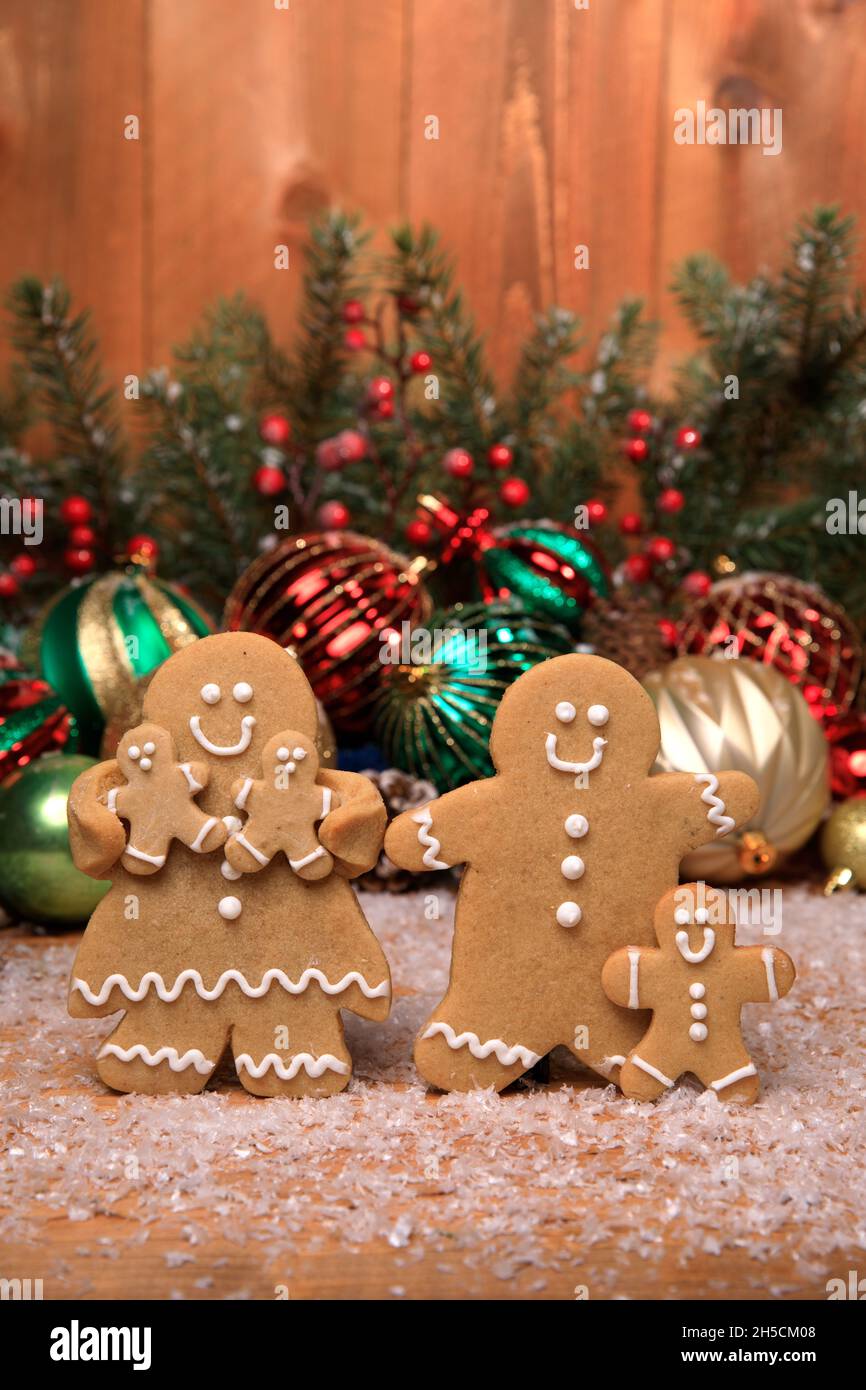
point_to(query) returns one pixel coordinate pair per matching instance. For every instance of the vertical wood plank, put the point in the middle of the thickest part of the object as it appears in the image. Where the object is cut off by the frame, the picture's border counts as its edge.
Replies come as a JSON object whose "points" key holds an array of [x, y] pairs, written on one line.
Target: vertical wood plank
{"points": [[71, 187]]}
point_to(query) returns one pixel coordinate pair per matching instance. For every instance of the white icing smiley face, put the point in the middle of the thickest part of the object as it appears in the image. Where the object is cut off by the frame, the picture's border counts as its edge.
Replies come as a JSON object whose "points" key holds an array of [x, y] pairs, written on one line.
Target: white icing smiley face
{"points": [[242, 693], [597, 716]]}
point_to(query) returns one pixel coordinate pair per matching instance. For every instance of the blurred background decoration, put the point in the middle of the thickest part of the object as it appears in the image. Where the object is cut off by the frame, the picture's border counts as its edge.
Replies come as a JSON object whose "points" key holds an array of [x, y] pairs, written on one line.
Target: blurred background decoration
{"points": [[310, 327]]}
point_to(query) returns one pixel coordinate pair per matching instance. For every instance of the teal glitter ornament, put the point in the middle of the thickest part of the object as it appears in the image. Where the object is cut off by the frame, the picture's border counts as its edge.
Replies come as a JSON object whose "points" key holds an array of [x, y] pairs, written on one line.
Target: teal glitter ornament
{"points": [[551, 569], [442, 687]]}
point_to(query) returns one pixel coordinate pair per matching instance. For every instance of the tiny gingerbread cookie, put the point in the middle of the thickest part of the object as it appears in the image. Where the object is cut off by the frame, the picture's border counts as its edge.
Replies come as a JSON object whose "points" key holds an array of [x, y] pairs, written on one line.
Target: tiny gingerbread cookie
{"points": [[236, 951], [158, 801], [569, 845], [282, 810], [696, 982]]}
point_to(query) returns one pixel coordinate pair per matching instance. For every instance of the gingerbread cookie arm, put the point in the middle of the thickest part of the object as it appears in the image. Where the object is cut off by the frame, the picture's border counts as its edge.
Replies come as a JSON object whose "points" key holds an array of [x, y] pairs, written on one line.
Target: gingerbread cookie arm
{"points": [[708, 806], [766, 973], [96, 837], [439, 834], [353, 832], [627, 975]]}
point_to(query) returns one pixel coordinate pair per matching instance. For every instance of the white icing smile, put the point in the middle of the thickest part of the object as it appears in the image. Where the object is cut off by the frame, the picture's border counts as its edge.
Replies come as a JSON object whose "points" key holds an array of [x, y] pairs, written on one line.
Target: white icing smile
{"points": [[561, 765], [224, 750]]}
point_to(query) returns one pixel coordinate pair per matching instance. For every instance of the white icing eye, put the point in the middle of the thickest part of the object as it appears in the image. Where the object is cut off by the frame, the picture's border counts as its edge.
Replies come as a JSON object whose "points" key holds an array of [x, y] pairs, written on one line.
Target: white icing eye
{"points": [[283, 755], [242, 692], [572, 866], [298, 754], [681, 916], [576, 826], [697, 991], [149, 748], [134, 751], [210, 693], [565, 711], [598, 715], [702, 916], [145, 764], [568, 914]]}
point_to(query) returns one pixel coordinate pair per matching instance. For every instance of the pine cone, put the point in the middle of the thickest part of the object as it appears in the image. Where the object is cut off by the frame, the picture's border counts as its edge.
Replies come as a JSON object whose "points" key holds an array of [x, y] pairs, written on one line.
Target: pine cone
{"points": [[626, 629], [400, 792]]}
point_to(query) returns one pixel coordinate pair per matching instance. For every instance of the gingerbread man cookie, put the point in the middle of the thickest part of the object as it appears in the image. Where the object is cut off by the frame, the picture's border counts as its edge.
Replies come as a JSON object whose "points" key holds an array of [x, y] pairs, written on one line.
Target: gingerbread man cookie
{"points": [[158, 801], [569, 845], [200, 957], [696, 982], [283, 808]]}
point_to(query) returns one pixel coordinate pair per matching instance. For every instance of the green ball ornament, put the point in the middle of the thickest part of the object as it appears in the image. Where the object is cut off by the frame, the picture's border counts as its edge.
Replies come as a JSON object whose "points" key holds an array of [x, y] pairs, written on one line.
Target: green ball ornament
{"points": [[99, 637], [550, 569], [38, 880], [441, 690]]}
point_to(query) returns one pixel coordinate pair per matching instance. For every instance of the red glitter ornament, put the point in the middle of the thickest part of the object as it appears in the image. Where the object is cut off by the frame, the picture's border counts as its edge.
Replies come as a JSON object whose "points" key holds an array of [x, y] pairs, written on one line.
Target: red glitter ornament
{"points": [[637, 568], [384, 410], [82, 536], [785, 623], [9, 586], [631, 524], [697, 584], [459, 463], [637, 450], [23, 566], [328, 455], [355, 339], [688, 437], [661, 549], [353, 311], [419, 533], [75, 510], [596, 511], [420, 362], [671, 501], [275, 430], [79, 559], [639, 421], [500, 456], [269, 481], [352, 446], [381, 388], [847, 739], [514, 492], [142, 550], [332, 596], [668, 631]]}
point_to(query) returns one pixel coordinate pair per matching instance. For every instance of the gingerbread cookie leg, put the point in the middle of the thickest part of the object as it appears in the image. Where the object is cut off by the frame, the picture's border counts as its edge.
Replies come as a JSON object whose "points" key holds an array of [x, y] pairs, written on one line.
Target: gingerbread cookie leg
{"points": [[738, 1083], [291, 1045], [451, 1055], [160, 1047]]}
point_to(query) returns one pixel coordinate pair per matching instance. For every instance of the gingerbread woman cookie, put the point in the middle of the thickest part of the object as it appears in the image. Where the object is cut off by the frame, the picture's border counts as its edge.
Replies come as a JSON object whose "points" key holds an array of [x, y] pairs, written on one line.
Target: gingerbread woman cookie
{"points": [[158, 801], [283, 808], [569, 845], [696, 982], [201, 957]]}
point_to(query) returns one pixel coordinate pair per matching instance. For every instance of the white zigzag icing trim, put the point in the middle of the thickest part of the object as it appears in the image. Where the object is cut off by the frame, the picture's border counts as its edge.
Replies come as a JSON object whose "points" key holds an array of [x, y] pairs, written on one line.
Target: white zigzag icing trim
{"points": [[192, 1058], [313, 1066], [424, 820], [168, 996], [503, 1053], [716, 815]]}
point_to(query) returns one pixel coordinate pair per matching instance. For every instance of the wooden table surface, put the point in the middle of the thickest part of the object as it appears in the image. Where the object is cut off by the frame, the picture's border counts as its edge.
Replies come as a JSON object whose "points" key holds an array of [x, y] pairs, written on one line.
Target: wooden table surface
{"points": [[605, 1222]]}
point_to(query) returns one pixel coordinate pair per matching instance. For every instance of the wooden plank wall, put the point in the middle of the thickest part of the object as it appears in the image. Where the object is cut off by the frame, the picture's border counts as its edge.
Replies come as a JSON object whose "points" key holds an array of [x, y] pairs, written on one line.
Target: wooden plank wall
{"points": [[556, 128]]}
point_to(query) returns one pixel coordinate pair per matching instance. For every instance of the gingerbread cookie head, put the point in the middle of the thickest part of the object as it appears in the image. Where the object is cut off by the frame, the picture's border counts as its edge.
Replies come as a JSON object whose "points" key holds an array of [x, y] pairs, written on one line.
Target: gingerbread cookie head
{"points": [[141, 748], [294, 759], [224, 698], [597, 722], [693, 921]]}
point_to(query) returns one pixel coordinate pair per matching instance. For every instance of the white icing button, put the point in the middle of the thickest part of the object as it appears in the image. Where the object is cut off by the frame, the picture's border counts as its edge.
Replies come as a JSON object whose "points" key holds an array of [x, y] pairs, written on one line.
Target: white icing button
{"points": [[576, 826], [568, 914], [565, 711], [698, 1032], [572, 866], [299, 754], [134, 751], [697, 991], [145, 764], [230, 908], [681, 916], [232, 824], [698, 1011], [210, 693], [598, 715], [149, 748], [283, 754], [702, 916], [242, 692], [228, 872]]}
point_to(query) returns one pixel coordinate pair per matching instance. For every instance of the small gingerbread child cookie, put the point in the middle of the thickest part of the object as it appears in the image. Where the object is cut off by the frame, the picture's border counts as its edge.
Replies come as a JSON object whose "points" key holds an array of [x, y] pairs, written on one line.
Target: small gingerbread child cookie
{"points": [[283, 808], [158, 801], [696, 984]]}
